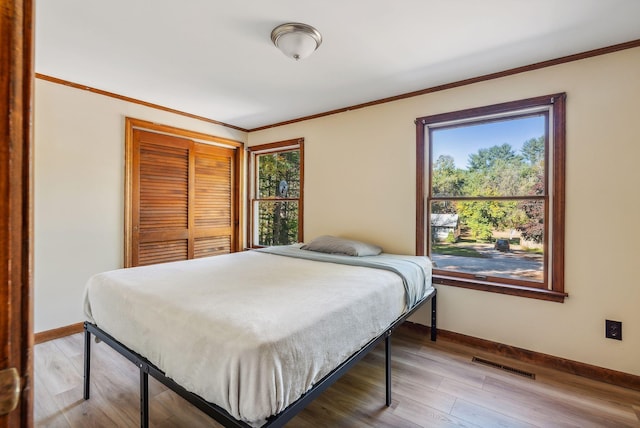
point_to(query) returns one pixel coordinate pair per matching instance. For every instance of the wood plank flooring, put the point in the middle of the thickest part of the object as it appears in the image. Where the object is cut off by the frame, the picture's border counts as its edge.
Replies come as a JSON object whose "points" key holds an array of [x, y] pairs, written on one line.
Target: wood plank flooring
{"points": [[434, 385]]}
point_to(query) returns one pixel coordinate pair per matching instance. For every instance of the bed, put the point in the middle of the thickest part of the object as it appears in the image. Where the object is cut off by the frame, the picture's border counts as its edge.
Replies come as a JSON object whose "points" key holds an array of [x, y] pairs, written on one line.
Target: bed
{"points": [[251, 338]]}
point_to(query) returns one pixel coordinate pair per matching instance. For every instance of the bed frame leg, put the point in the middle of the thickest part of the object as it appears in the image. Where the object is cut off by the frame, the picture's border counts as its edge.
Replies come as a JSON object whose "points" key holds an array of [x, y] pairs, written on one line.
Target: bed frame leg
{"points": [[434, 327], [387, 354], [144, 396], [87, 362]]}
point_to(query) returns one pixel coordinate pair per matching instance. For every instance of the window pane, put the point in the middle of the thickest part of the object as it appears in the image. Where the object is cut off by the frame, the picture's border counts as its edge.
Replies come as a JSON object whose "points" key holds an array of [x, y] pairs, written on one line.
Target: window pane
{"points": [[276, 222], [498, 158], [489, 238], [279, 175], [494, 210]]}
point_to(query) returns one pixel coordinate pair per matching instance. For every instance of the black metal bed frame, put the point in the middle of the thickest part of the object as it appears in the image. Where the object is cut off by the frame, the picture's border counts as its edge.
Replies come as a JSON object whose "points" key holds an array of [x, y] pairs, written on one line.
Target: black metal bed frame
{"points": [[218, 413]]}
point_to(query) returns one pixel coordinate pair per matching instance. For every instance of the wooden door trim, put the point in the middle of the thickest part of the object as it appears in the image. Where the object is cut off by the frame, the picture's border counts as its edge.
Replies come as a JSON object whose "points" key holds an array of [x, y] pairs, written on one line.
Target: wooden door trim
{"points": [[16, 201], [130, 187], [180, 132]]}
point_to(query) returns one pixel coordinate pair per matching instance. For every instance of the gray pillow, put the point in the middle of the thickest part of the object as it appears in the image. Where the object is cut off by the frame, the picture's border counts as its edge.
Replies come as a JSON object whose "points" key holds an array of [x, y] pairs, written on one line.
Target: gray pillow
{"points": [[335, 245]]}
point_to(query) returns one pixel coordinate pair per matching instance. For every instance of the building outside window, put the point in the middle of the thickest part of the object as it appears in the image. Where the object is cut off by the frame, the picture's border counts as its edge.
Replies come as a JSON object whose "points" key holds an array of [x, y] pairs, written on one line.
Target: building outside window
{"points": [[276, 188], [491, 184]]}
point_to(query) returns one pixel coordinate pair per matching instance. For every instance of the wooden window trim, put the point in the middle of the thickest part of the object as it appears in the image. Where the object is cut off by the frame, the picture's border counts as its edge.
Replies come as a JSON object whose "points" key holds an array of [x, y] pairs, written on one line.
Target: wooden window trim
{"points": [[555, 263], [238, 178], [279, 146]]}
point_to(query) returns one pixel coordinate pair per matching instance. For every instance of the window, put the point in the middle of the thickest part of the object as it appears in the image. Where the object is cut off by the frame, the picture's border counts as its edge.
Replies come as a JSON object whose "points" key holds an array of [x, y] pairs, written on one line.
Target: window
{"points": [[276, 189], [490, 190]]}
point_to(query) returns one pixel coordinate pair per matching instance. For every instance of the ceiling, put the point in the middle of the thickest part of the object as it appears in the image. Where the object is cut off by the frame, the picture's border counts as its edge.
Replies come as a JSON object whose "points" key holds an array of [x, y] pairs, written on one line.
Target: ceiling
{"points": [[215, 59]]}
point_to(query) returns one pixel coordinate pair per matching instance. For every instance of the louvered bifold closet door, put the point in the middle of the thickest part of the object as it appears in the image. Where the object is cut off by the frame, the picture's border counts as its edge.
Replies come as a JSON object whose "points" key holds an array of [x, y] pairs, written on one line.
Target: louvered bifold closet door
{"points": [[213, 197], [160, 198], [182, 198]]}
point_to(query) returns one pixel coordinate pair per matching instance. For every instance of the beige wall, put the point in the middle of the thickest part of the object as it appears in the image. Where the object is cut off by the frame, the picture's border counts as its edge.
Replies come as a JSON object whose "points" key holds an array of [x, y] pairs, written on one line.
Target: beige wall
{"points": [[360, 182], [79, 192]]}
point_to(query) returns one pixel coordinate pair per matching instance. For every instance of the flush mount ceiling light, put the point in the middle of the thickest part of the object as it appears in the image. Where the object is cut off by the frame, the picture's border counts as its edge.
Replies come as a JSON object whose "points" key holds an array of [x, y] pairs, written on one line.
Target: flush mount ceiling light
{"points": [[296, 40]]}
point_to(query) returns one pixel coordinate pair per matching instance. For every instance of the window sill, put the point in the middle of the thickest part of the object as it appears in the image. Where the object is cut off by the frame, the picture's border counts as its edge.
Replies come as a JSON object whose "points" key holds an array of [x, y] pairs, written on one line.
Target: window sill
{"points": [[492, 287]]}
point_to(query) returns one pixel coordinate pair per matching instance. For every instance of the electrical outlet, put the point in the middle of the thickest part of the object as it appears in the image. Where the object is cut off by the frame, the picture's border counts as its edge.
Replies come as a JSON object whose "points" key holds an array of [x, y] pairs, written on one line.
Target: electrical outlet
{"points": [[613, 329]]}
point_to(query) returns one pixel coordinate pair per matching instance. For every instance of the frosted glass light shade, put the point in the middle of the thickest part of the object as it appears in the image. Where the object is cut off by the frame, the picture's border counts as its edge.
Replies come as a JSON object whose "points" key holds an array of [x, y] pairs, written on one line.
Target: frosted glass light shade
{"points": [[296, 40]]}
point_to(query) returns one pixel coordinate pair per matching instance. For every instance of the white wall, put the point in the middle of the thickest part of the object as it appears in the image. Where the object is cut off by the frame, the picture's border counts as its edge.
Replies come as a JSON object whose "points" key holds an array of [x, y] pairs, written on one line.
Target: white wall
{"points": [[360, 182], [79, 191]]}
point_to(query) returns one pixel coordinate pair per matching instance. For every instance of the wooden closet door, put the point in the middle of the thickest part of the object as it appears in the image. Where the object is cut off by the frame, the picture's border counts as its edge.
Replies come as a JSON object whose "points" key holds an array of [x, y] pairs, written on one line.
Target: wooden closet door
{"points": [[213, 201], [160, 198], [182, 199]]}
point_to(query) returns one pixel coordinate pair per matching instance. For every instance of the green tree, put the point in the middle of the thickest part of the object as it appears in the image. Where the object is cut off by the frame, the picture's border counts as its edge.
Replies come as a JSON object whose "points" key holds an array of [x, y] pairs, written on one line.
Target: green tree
{"points": [[482, 217], [533, 150], [531, 226], [494, 171], [447, 180], [278, 217], [486, 159]]}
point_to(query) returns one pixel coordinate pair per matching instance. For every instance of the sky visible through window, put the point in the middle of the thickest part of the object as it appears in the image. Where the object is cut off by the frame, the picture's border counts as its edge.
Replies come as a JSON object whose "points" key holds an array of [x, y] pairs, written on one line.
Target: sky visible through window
{"points": [[462, 141]]}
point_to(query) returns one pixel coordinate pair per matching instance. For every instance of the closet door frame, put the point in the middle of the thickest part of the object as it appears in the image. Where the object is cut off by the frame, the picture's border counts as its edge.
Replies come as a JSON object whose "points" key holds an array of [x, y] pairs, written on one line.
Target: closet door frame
{"points": [[238, 177]]}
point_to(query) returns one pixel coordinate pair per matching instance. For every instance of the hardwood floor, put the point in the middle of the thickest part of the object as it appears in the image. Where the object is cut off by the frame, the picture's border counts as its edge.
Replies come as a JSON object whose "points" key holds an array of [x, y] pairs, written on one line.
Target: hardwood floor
{"points": [[434, 385]]}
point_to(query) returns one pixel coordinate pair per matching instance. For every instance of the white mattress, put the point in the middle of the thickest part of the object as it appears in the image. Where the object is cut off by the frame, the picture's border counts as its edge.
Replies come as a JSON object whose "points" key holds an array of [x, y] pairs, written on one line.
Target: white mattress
{"points": [[250, 331]]}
